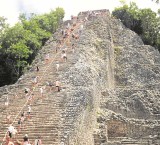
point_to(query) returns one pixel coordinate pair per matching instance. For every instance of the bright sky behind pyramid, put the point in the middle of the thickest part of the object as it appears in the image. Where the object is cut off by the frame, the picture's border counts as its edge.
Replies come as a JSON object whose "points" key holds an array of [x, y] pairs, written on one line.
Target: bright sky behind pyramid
{"points": [[11, 8]]}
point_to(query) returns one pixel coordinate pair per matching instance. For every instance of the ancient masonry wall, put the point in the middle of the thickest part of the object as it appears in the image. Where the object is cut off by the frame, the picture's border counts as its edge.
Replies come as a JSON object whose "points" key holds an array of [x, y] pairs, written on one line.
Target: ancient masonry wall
{"points": [[89, 77]]}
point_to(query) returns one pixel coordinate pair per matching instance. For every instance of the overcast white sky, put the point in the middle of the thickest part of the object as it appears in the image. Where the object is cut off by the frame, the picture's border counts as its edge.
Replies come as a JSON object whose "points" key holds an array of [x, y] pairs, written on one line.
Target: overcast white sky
{"points": [[11, 8]]}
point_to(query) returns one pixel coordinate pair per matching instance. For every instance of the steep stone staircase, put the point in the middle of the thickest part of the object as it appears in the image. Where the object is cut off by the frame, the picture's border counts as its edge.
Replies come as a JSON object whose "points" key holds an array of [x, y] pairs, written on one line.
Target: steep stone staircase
{"points": [[40, 110], [46, 113]]}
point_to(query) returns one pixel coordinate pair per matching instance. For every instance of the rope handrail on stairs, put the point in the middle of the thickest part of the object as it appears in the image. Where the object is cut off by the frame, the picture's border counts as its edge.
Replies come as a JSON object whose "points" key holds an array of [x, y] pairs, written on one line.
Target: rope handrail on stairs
{"points": [[39, 81], [27, 99]]}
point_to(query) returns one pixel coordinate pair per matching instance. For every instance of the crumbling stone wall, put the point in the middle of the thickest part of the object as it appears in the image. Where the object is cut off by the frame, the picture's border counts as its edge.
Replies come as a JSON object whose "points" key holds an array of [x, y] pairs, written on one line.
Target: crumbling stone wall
{"points": [[85, 80], [135, 99]]}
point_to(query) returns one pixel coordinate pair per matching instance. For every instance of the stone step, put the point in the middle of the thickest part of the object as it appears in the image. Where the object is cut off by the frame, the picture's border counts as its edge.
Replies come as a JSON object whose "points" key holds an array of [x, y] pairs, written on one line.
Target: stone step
{"points": [[46, 115]]}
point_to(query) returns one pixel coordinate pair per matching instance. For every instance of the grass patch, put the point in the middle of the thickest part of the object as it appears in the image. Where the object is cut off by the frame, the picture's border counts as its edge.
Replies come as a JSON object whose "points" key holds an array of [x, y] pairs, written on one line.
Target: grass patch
{"points": [[117, 50]]}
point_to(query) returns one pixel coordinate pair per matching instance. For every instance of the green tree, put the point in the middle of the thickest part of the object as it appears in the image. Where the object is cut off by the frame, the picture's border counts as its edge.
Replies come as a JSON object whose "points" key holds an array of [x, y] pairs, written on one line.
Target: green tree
{"points": [[20, 44], [150, 26], [3, 24], [22, 17], [145, 22], [129, 15], [159, 12], [19, 52], [123, 2], [157, 1], [15, 50]]}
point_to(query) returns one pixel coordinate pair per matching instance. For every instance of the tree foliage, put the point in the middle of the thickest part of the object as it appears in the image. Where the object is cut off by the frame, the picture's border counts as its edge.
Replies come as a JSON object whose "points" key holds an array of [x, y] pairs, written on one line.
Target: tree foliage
{"points": [[20, 44], [157, 1], [144, 22]]}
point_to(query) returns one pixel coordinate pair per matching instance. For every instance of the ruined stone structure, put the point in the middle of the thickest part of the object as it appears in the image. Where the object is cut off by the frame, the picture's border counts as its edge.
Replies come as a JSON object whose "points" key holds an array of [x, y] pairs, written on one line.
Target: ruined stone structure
{"points": [[110, 94]]}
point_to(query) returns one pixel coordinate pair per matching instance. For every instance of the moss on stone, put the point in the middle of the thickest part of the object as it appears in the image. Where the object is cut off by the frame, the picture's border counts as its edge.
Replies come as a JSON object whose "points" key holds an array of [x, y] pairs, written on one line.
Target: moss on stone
{"points": [[117, 50]]}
